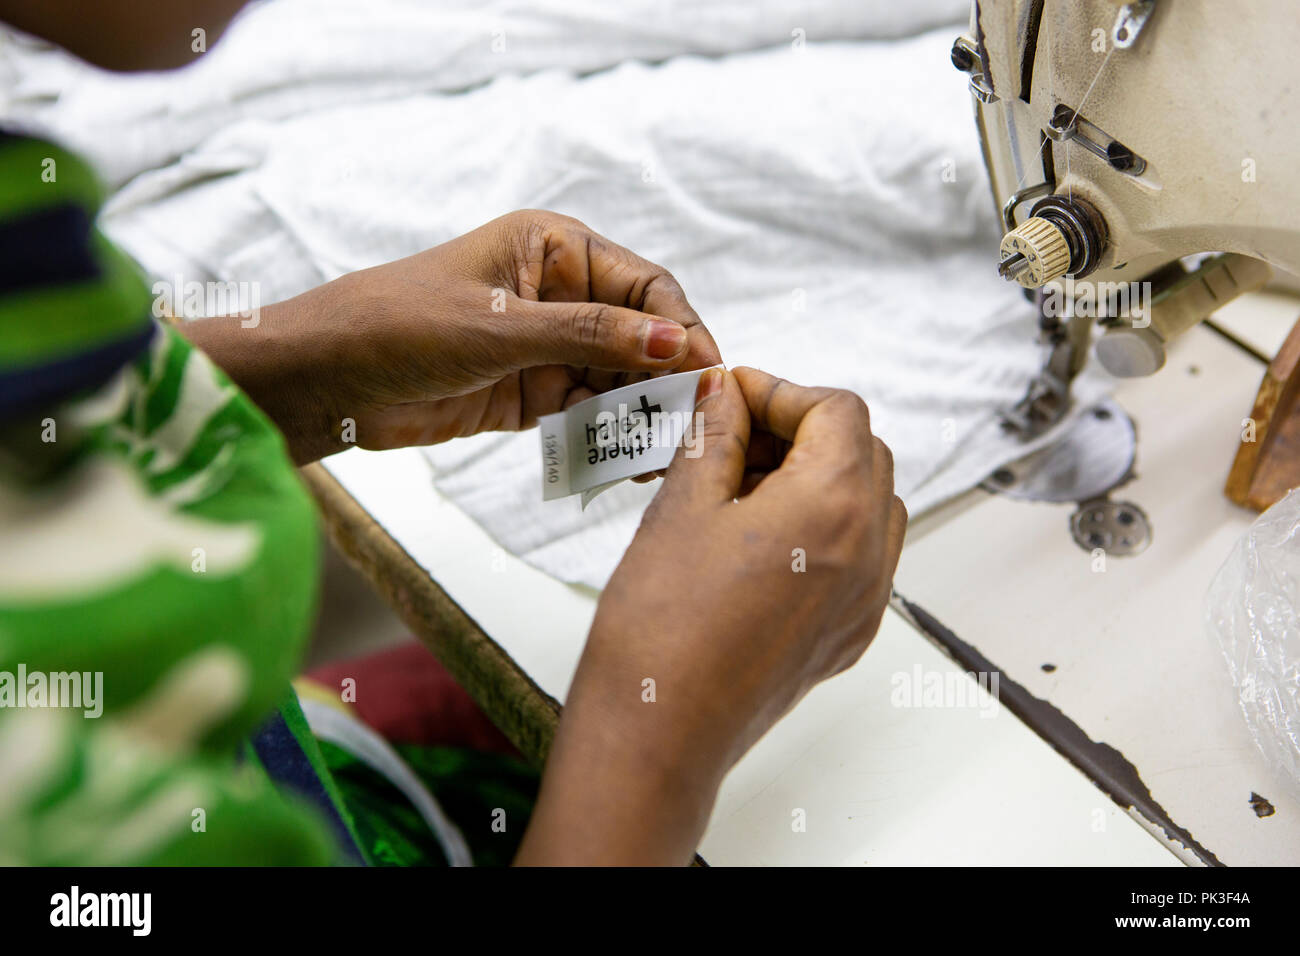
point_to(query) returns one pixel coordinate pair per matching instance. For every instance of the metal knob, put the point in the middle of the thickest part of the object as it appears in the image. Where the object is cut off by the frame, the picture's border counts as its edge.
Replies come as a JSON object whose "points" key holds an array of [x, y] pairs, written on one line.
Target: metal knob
{"points": [[1127, 352], [1034, 253], [1062, 236]]}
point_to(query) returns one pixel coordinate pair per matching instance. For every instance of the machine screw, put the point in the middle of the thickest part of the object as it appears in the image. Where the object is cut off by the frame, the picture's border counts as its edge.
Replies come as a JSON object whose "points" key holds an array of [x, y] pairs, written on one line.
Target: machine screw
{"points": [[962, 58]]}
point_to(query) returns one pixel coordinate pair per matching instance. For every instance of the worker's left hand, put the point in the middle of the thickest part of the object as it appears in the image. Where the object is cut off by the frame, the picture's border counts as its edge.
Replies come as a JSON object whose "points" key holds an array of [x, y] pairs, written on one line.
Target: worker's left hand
{"points": [[520, 318]]}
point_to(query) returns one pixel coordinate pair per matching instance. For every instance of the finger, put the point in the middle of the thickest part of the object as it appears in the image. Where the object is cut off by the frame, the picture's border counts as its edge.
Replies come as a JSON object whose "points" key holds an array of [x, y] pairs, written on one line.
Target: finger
{"points": [[710, 466], [603, 380], [751, 481], [662, 295], [818, 422], [895, 532], [593, 335], [875, 600], [581, 265], [763, 456], [882, 477], [579, 394], [766, 451]]}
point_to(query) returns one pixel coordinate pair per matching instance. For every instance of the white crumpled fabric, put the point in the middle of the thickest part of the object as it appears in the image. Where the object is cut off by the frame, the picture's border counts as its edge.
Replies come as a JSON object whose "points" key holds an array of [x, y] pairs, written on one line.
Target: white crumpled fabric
{"points": [[809, 171]]}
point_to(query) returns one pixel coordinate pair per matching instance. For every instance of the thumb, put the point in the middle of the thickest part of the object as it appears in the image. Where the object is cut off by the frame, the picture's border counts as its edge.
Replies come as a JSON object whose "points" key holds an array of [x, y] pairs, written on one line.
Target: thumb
{"points": [[596, 335], [710, 464]]}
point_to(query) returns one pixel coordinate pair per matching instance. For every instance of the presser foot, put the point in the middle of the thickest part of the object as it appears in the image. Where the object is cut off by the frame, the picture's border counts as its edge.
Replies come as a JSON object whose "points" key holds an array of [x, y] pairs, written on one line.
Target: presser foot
{"points": [[1093, 456]]}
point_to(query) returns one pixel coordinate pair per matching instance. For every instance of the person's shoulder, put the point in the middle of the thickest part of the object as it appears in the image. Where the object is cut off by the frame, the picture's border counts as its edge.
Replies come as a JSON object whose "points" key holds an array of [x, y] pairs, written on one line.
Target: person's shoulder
{"points": [[73, 308], [37, 176]]}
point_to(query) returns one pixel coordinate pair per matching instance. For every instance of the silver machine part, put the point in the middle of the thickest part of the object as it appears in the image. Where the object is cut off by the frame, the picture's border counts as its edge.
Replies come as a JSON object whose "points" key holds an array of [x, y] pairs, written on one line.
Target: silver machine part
{"points": [[1166, 123], [1095, 455], [1118, 528]]}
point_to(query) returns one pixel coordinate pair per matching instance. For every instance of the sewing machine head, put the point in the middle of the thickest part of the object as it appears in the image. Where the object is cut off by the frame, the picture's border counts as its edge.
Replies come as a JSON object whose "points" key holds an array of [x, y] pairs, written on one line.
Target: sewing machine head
{"points": [[1121, 139]]}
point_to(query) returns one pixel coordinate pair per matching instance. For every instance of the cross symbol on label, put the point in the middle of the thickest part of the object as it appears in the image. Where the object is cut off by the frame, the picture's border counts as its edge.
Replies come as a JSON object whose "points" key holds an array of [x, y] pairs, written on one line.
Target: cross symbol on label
{"points": [[646, 409]]}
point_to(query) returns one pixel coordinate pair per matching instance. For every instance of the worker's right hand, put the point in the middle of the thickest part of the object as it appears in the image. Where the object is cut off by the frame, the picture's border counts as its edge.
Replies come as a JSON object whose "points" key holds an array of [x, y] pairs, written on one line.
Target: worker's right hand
{"points": [[762, 568]]}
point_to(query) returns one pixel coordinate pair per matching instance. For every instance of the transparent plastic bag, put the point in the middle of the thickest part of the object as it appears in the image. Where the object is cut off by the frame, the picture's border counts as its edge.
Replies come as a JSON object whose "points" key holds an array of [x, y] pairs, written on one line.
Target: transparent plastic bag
{"points": [[1253, 613]]}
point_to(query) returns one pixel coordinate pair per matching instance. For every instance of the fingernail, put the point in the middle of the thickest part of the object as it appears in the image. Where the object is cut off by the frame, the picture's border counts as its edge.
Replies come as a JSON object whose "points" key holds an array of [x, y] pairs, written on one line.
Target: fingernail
{"points": [[663, 339], [710, 384]]}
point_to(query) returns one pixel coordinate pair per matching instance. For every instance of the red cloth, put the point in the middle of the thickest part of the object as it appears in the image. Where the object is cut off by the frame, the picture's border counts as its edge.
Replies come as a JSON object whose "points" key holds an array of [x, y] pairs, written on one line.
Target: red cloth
{"points": [[409, 698]]}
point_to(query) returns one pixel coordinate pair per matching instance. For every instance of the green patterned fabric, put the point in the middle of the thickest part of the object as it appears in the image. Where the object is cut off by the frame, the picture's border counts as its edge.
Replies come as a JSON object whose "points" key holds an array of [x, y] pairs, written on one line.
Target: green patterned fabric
{"points": [[155, 541], [56, 319], [488, 796]]}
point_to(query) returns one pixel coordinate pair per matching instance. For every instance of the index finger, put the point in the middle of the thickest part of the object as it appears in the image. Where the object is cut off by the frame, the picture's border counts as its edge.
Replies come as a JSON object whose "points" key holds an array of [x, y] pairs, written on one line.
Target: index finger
{"points": [[621, 276], [813, 420], [617, 276]]}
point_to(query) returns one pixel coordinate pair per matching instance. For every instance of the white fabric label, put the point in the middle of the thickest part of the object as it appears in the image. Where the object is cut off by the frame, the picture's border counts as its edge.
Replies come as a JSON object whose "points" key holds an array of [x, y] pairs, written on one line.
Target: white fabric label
{"points": [[620, 434]]}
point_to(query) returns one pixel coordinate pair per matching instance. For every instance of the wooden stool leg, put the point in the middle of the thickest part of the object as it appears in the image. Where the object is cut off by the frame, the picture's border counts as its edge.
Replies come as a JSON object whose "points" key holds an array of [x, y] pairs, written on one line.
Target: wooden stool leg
{"points": [[1268, 466]]}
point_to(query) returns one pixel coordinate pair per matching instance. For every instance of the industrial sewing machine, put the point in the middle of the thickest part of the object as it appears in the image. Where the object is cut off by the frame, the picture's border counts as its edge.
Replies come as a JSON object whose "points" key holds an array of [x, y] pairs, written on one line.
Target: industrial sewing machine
{"points": [[1124, 141]]}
